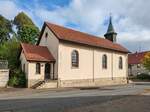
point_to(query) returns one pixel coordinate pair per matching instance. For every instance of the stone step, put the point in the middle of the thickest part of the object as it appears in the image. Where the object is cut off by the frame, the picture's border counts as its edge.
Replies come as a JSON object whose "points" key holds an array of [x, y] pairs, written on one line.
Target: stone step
{"points": [[48, 84], [37, 84]]}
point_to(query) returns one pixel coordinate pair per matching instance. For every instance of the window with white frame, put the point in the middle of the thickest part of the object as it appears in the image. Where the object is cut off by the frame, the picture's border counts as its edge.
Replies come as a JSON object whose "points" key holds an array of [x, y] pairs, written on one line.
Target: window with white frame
{"points": [[75, 58], [120, 63], [104, 61]]}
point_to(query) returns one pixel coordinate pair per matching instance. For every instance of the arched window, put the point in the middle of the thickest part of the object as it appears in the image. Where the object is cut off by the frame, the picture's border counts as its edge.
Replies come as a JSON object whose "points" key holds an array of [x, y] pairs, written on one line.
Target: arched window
{"points": [[38, 68], [75, 58], [104, 61], [120, 63]]}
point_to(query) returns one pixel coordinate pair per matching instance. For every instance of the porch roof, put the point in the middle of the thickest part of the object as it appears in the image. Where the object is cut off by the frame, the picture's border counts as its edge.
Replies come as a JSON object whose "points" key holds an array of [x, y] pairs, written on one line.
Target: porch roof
{"points": [[37, 53]]}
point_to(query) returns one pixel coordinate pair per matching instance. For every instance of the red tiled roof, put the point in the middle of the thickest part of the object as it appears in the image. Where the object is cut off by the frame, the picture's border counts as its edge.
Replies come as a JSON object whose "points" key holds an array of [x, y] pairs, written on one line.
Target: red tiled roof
{"points": [[67, 34], [136, 58], [37, 53]]}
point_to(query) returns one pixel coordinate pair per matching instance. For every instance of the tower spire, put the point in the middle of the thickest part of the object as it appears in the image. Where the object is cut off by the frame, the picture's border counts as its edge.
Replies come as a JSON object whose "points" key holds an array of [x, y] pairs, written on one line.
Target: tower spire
{"points": [[111, 34], [110, 27]]}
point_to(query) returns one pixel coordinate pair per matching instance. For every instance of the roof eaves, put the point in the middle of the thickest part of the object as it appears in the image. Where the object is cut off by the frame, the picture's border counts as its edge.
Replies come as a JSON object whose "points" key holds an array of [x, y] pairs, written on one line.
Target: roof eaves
{"points": [[59, 38], [94, 46]]}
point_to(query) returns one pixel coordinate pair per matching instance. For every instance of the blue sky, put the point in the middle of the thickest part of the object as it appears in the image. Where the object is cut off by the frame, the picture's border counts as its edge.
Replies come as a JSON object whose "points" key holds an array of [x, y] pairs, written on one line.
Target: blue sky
{"points": [[46, 3], [29, 5], [90, 16]]}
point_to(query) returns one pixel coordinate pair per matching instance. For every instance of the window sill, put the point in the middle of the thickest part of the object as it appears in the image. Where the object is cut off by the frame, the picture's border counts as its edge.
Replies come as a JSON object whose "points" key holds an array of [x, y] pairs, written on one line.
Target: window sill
{"points": [[104, 69], [37, 74], [74, 67]]}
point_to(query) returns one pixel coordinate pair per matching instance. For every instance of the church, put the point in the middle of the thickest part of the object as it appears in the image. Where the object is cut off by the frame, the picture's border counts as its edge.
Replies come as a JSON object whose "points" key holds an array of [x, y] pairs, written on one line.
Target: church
{"points": [[64, 57]]}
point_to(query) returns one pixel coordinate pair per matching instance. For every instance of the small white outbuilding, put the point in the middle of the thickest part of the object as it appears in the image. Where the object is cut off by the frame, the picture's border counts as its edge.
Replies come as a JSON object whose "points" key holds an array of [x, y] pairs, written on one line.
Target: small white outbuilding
{"points": [[4, 73]]}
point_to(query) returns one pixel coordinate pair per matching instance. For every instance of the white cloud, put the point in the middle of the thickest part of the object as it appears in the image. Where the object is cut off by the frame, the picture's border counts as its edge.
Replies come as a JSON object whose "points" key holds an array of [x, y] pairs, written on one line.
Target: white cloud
{"points": [[8, 9], [130, 18], [51, 16]]}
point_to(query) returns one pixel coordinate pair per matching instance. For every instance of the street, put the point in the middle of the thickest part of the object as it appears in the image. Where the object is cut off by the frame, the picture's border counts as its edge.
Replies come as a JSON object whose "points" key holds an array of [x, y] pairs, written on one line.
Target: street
{"points": [[123, 98]]}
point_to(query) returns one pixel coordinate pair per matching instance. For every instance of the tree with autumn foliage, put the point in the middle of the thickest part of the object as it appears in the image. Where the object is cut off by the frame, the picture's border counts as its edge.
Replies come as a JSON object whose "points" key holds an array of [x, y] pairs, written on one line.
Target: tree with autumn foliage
{"points": [[146, 61]]}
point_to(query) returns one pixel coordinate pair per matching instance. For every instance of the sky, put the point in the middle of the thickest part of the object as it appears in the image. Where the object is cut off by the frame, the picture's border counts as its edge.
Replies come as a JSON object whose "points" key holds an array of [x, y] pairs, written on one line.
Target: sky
{"points": [[131, 19]]}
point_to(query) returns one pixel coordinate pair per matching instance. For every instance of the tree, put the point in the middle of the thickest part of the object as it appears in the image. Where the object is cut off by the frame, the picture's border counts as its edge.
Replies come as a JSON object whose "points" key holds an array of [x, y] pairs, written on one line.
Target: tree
{"points": [[5, 29], [28, 34], [9, 50], [146, 61], [27, 31], [22, 19], [10, 45]]}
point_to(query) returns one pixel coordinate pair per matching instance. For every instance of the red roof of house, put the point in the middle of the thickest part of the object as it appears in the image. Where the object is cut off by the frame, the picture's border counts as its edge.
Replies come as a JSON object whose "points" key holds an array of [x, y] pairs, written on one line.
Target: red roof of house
{"points": [[67, 34], [136, 58], [37, 53]]}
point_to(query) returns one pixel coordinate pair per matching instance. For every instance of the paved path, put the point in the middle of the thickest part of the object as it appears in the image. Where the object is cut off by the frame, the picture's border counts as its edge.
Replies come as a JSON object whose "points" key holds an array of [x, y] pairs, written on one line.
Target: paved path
{"points": [[105, 99]]}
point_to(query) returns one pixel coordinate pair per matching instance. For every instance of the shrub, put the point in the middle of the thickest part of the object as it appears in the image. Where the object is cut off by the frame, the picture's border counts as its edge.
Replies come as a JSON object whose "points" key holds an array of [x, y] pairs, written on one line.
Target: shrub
{"points": [[13, 81], [22, 80], [17, 79], [143, 76]]}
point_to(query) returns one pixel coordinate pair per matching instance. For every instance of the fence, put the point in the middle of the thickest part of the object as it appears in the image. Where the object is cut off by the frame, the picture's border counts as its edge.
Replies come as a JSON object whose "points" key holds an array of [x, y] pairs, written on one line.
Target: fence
{"points": [[3, 64]]}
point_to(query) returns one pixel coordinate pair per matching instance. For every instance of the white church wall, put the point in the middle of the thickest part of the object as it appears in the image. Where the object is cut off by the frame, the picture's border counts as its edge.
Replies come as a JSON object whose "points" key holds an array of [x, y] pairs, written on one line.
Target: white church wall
{"points": [[89, 69], [52, 44]]}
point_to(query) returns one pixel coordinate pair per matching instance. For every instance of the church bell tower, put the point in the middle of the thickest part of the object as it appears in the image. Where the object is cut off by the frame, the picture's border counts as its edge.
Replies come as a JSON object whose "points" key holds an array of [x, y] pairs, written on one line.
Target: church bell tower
{"points": [[111, 34]]}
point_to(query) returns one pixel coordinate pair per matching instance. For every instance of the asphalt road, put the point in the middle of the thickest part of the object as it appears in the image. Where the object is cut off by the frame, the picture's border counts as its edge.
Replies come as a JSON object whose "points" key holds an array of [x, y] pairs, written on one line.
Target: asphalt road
{"points": [[125, 98]]}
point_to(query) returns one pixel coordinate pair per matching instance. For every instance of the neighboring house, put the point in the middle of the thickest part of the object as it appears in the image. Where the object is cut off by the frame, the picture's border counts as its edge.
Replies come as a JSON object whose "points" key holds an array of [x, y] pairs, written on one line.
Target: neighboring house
{"points": [[4, 73], [67, 58], [135, 63]]}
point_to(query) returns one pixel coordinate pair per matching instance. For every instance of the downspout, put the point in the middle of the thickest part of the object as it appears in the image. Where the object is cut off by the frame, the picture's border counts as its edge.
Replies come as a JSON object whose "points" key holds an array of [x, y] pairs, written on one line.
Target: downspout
{"points": [[93, 65], [58, 64], [53, 70], [112, 66], [127, 69], [130, 69]]}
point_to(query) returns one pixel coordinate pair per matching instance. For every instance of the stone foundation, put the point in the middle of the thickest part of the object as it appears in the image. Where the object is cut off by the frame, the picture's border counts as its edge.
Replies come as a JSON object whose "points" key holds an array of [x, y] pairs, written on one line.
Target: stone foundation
{"points": [[80, 83], [90, 82]]}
